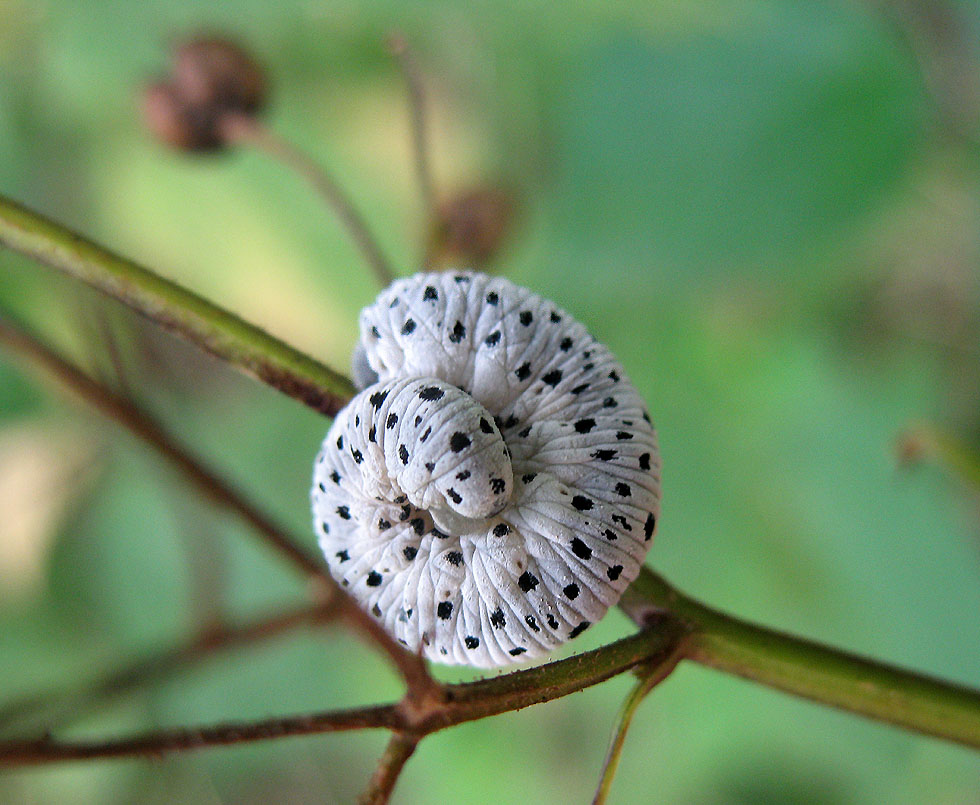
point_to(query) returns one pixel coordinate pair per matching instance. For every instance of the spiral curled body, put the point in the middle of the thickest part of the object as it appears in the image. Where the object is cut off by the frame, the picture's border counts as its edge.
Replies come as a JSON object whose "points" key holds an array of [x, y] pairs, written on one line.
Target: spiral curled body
{"points": [[495, 489]]}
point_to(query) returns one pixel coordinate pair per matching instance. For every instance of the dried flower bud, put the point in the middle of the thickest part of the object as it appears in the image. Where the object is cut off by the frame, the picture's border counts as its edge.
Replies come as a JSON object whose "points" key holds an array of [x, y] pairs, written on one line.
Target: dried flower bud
{"points": [[471, 226], [212, 80], [212, 73]]}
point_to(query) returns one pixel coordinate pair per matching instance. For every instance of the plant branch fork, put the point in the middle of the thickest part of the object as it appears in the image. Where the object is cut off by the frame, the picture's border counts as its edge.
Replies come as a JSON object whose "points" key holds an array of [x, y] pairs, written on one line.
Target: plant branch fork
{"points": [[784, 662]]}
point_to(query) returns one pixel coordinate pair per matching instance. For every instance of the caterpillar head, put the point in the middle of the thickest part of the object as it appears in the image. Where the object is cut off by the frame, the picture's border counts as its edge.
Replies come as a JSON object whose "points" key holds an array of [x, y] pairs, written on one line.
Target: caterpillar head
{"points": [[495, 487]]}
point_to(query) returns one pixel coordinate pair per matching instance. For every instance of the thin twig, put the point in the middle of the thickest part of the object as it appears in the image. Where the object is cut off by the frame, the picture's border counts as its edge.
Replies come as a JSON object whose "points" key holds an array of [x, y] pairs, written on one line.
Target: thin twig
{"points": [[244, 130], [142, 425], [419, 119], [649, 679], [217, 331], [157, 744], [400, 748], [53, 710], [95, 321], [461, 703], [16, 337]]}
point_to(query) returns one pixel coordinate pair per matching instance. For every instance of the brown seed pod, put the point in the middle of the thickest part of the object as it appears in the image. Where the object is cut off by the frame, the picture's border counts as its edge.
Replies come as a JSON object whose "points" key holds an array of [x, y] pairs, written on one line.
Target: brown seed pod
{"points": [[213, 73], [212, 81], [471, 226]]}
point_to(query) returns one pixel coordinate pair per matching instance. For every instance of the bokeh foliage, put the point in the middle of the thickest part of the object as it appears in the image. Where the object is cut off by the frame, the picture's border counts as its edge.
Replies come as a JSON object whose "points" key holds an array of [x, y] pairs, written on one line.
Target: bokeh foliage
{"points": [[758, 205]]}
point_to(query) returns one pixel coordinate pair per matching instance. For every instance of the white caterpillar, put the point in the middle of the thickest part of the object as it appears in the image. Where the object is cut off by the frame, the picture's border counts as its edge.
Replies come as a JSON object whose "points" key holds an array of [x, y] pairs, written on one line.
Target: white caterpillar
{"points": [[495, 488]]}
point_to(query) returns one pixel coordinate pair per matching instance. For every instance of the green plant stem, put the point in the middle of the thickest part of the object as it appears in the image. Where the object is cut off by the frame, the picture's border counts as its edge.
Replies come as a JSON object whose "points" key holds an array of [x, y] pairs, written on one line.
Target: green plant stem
{"points": [[215, 330], [811, 670], [650, 677]]}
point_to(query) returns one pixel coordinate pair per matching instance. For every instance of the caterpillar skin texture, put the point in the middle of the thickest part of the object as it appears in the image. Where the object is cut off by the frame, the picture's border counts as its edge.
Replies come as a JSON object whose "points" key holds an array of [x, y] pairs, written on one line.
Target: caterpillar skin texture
{"points": [[496, 489]]}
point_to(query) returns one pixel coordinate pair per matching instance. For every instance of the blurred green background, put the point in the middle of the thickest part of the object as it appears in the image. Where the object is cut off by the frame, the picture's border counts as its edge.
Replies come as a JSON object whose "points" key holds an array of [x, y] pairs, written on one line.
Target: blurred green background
{"points": [[771, 213]]}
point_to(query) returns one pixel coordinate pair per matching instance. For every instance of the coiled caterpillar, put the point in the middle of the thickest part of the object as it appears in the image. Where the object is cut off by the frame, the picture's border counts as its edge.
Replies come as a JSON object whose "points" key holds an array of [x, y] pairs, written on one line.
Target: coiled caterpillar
{"points": [[495, 487]]}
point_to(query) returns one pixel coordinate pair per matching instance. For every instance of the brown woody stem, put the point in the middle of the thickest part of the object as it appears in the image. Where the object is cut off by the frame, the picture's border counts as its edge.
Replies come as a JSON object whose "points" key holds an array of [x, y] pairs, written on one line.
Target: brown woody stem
{"points": [[17, 338], [212, 486], [400, 748], [460, 703], [53, 710]]}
